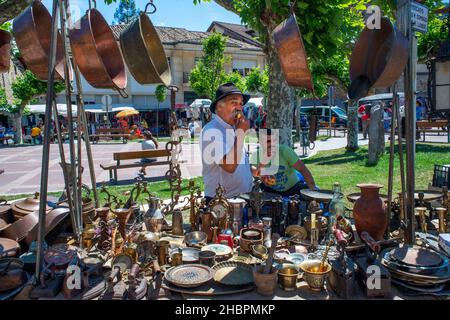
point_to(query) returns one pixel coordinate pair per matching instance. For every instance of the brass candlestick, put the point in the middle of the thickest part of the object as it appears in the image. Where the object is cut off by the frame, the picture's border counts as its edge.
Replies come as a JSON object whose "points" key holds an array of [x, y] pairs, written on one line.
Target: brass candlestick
{"points": [[422, 218], [442, 219]]}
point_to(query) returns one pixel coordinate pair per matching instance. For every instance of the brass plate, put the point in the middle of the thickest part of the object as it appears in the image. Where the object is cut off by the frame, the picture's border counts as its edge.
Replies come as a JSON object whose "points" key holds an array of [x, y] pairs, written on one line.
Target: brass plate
{"points": [[233, 273], [297, 231], [220, 249], [189, 275]]}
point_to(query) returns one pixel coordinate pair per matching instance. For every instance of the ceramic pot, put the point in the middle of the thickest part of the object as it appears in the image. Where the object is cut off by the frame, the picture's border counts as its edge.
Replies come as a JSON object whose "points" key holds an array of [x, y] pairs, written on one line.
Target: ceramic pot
{"points": [[266, 284], [369, 212]]}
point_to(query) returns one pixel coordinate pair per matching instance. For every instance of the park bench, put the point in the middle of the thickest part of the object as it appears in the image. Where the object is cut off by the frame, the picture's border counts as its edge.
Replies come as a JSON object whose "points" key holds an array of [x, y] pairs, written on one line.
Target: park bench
{"points": [[136, 155], [426, 126], [113, 133], [323, 125]]}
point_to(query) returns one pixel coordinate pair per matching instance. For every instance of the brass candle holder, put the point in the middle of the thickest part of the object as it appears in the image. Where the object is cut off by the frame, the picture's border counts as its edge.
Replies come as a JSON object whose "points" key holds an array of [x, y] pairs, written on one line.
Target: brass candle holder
{"points": [[422, 218], [442, 212]]}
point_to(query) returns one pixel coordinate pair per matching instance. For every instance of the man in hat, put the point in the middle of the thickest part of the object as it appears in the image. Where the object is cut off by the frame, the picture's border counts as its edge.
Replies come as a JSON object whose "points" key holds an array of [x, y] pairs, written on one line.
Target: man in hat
{"points": [[224, 159]]}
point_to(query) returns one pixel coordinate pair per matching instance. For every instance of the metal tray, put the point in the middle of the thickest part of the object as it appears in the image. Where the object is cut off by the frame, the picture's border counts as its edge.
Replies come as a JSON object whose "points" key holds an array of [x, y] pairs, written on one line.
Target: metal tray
{"points": [[189, 275], [318, 195], [233, 273]]}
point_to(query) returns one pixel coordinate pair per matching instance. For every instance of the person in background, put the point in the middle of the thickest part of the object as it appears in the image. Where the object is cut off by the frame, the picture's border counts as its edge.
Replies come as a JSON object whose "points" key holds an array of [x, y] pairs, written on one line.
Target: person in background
{"points": [[144, 124], [150, 143], [285, 181], [364, 112], [36, 135]]}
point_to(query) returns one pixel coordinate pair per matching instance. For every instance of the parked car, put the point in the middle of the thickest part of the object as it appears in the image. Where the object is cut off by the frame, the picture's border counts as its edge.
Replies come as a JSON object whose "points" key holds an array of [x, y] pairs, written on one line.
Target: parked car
{"points": [[386, 98], [323, 113]]}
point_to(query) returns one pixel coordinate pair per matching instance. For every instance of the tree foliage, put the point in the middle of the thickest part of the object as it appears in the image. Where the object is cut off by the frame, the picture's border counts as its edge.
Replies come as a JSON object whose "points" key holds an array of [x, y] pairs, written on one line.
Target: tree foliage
{"points": [[126, 12], [237, 79], [161, 93], [4, 105], [428, 43], [257, 80], [209, 72]]}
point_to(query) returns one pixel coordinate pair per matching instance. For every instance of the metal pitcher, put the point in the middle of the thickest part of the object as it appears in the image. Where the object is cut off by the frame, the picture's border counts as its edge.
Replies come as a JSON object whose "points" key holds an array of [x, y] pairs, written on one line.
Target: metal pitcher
{"points": [[143, 52], [177, 223]]}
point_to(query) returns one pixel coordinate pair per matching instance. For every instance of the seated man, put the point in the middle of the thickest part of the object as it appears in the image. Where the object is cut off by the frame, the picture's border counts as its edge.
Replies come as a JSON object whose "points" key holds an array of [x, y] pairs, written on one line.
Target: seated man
{"points": [[150, 143], [278, 167]]}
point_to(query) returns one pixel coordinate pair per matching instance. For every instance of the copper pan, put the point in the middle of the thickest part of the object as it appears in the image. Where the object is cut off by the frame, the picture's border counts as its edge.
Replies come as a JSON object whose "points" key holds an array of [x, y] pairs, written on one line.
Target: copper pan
{"points": [[292, 54], [143, 52], [5, 50], [32, 31], [97, 53], [380, 55]]}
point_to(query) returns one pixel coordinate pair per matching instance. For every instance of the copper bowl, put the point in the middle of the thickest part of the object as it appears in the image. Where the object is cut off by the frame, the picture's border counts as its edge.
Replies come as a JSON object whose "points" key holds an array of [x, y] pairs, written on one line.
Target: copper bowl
{"points": [[144, 53], [97, 54], [32, 31], [5, 51], [292, 54], [249, 237]]}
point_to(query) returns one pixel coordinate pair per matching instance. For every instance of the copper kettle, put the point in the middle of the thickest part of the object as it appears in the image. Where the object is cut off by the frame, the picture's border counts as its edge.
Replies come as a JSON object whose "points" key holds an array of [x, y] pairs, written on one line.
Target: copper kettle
{"points": [[97, 54], [5, 50], [32, 31], [143, 52]]}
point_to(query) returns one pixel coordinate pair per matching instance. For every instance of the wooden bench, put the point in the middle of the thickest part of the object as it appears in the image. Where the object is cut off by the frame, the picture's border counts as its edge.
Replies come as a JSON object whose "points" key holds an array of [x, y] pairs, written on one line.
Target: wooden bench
{"points": [[427, 127], [112, 133], [326, 125], [132, 155]]}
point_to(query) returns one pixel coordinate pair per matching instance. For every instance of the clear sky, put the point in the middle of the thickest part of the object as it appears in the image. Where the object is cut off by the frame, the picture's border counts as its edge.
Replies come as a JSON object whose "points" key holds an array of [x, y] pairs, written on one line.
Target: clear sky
{"points": [[170, 13]]}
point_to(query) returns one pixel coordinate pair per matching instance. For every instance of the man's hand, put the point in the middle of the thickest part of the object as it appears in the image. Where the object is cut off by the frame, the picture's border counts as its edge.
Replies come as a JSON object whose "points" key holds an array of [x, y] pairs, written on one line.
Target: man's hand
{"points": [[243, 124]]}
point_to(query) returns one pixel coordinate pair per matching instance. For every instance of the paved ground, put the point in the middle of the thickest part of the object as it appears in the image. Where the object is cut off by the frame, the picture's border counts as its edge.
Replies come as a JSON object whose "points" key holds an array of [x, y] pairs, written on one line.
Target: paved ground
{"points": [[22, 165]]}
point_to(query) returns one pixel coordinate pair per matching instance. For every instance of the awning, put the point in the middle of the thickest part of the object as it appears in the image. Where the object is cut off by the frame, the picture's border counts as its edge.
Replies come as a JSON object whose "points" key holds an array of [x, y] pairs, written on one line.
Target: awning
{"points": [[61, 107], [100, 108]]}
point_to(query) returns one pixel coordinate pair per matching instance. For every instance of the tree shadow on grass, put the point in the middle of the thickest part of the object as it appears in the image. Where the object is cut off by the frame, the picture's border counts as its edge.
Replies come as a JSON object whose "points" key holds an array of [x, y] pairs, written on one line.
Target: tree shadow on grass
{"points": [[128, 182], [345, 157]]}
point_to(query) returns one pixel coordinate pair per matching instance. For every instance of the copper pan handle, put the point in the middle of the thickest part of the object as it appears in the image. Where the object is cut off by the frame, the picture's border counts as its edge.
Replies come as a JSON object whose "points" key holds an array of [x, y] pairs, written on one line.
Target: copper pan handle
{"points": [[123, 93]]}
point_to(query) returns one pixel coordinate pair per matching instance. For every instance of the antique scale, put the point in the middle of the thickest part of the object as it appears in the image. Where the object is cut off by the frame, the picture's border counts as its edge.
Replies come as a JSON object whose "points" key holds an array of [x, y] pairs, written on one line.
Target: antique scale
{"points": [[221, 208]]}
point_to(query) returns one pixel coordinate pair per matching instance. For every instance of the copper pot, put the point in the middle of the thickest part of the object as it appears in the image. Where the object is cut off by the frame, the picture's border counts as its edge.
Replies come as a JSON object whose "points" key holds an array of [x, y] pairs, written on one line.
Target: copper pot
{"points": [[32, 31], [143, 52], [370, 212], [379, 56], [23, 208], [97, 53], [5, 50], [292, 54]]}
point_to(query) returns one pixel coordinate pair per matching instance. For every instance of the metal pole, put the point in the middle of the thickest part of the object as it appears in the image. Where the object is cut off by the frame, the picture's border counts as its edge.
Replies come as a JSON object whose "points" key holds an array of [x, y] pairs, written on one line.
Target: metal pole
{"points": [[391, 159], [400, 149], [46, 142], [80, 104], [73, 174], [63, 163], [410, 114]]}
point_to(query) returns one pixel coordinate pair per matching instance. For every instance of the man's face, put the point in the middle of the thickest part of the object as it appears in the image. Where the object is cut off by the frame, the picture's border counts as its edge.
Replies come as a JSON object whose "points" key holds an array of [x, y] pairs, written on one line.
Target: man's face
{"points": [[229, 106]]}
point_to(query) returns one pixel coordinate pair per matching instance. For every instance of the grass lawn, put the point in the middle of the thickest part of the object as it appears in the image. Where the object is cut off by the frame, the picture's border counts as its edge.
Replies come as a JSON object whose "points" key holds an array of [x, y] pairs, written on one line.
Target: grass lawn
{"points": [[350, 168]]}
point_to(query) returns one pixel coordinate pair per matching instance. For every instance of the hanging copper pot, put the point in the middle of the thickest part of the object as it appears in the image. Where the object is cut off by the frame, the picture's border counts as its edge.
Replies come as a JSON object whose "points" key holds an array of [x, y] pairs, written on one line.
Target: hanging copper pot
{"points": [[292, 54], [97, 53], [378, 58], [32, 31], [143, 52], [5, 50]]}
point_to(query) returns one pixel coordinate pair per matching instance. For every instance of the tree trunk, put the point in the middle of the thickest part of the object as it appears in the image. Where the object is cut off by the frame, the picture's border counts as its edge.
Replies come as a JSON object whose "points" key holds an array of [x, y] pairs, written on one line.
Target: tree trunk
{"points": [[352, 125], [281, 98], [18, 139], [9, 9], [376, 135]]}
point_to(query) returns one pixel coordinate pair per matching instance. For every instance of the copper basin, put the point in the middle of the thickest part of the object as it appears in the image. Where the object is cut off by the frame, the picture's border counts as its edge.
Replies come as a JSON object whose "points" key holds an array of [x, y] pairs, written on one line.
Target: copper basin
{"points": [[380, 55], [96, 52], [5, 50], [32, 31], [143, 52], [292, 54]]}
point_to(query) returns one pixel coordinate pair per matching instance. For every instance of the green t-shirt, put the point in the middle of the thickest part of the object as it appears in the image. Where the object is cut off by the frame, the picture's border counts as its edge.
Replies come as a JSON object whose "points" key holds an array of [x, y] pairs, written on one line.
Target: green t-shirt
{"points": [[285, 174]]}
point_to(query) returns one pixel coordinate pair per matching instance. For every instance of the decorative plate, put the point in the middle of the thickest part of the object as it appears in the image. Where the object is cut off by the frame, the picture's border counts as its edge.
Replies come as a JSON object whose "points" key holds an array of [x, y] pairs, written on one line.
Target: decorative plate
{"points": [[190, 255], [233, 273], [296, 258], [189, 275], [297, 231], [219, 249]]}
